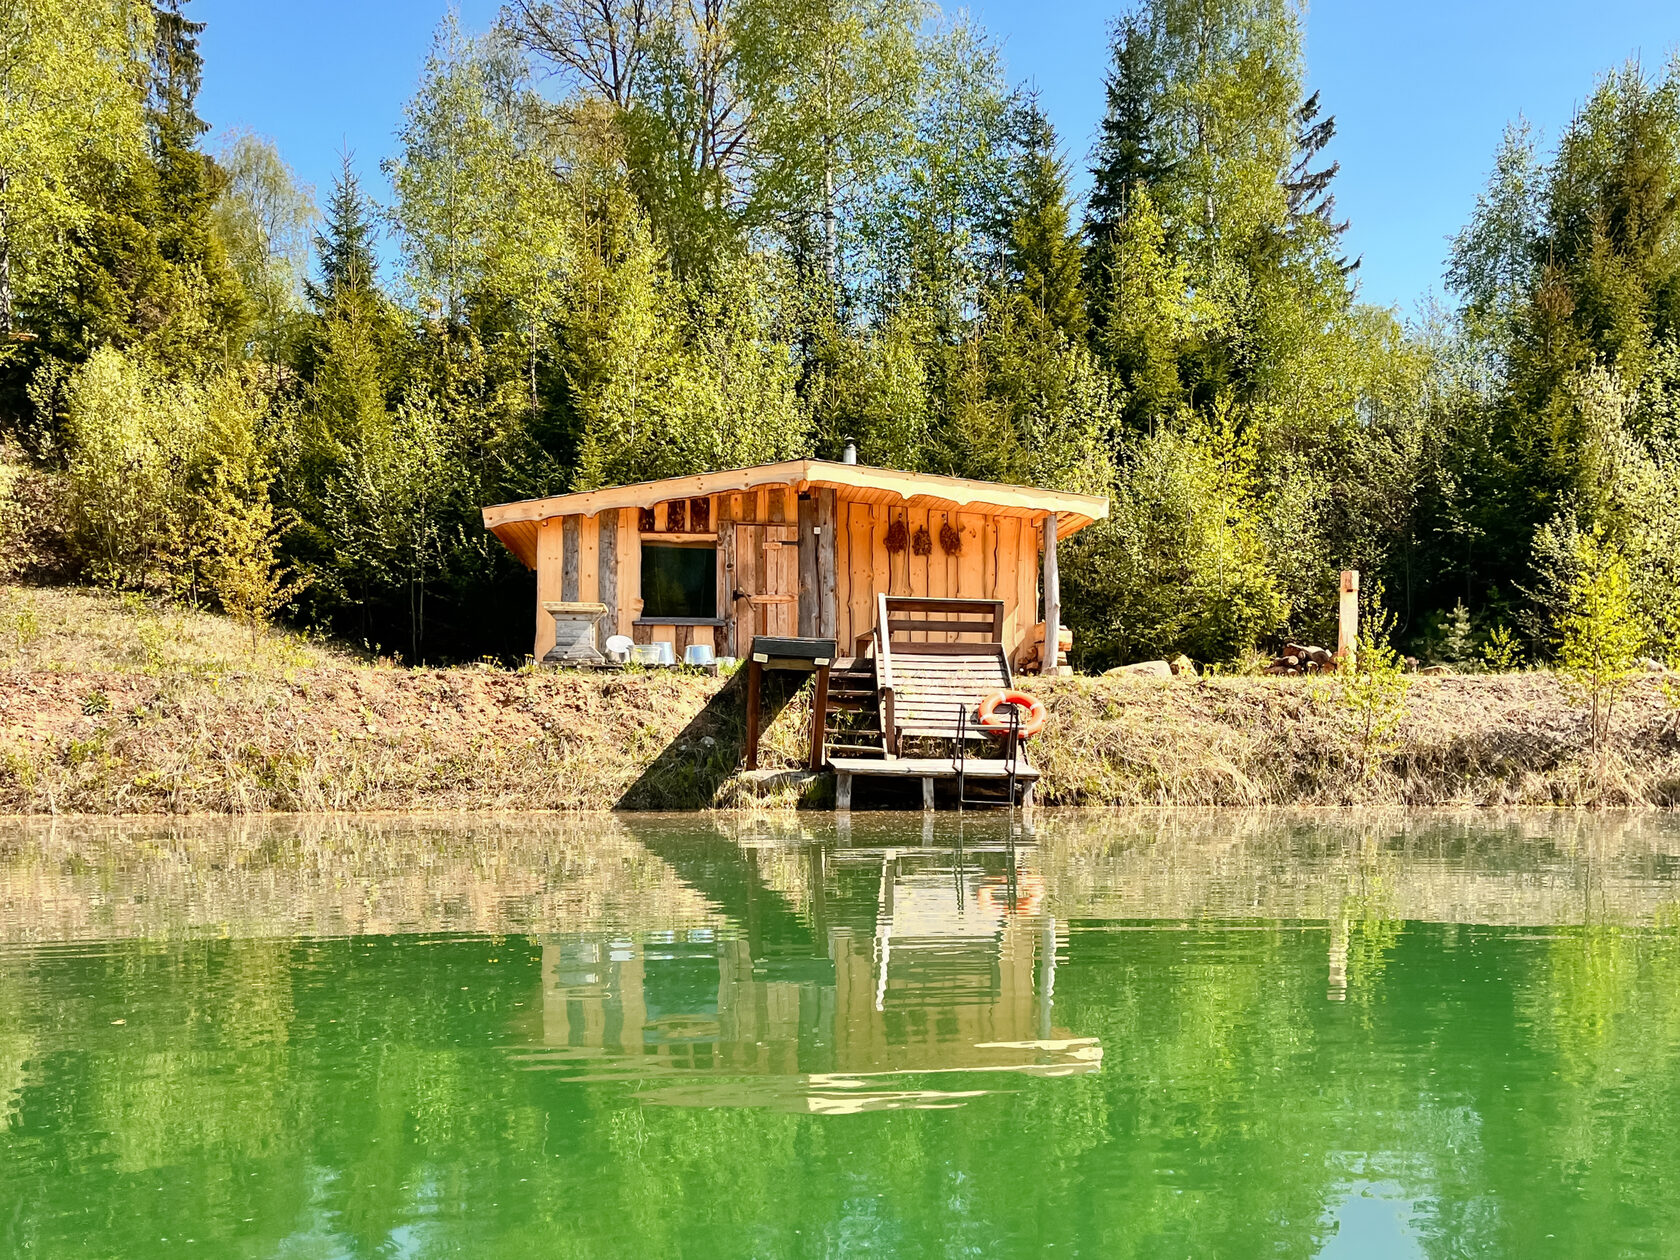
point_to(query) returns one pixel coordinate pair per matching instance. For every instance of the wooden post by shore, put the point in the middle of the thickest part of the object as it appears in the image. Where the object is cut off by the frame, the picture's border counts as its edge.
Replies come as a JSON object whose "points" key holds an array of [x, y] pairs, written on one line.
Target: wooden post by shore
{"points": [[819, 719], [1347, 633], [1052, 602]]}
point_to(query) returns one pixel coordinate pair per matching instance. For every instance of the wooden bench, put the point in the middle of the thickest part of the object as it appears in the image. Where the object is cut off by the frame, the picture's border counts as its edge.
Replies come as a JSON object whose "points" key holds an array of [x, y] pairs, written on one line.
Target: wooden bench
{"points": [[935, 661]]}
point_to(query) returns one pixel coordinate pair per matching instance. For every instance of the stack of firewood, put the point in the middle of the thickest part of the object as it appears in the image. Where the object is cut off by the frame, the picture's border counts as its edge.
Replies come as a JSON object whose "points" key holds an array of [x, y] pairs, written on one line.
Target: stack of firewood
{"points": [[1031, 660], [1298, 658]]}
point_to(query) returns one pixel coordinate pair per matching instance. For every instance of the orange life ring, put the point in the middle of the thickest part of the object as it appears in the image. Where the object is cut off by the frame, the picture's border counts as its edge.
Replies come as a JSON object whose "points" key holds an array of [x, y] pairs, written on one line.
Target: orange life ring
{"points": [[1032, 724], [993, 895]]}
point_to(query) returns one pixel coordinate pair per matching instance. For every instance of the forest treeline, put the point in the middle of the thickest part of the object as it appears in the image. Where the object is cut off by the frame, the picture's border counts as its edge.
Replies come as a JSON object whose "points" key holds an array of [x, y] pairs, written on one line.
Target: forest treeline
{"points": [[620, 239]]}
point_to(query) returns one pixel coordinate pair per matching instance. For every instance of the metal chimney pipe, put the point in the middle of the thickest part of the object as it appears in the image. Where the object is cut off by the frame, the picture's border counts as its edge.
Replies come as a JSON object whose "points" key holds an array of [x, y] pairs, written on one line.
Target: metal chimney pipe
{"points": [[849, 455]]}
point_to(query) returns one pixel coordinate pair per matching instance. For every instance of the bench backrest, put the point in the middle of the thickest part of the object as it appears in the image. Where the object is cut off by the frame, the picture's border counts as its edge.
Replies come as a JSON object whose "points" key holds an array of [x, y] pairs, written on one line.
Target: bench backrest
{"points": [[921, 622], [936, 660]]}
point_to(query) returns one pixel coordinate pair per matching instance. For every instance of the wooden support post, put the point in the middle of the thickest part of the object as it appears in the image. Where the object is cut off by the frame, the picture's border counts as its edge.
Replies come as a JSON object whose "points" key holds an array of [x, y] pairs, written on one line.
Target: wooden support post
{"points": [[1347, 632], [927, 792], [607, 577], [755, 680], [569, 560], [819, 719], [828, 520], [1052, 653], [808, 585], [843, 792]]}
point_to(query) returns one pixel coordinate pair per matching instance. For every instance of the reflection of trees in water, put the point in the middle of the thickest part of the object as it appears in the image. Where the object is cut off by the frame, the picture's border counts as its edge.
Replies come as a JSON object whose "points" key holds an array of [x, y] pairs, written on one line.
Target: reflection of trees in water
{"points": [[1514, 1083], [303, 876]]}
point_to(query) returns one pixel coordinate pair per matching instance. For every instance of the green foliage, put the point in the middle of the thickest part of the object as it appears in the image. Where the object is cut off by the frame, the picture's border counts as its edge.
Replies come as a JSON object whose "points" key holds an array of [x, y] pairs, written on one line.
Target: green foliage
{"points": [[1372, 687], [1130, 154], [875, 387], [179, 214], [162, 477], [24, 512], [1567, 275], [130, 440], [344, 252], [733, 233], [1180, 565], [19, 625], [238, 519], [1154, 317], [833, 87], [456, 143], [1043, 256], [263, 220], [1023, 403], [670, 380], [1598, 632], [70, 108], [1501, 654]]}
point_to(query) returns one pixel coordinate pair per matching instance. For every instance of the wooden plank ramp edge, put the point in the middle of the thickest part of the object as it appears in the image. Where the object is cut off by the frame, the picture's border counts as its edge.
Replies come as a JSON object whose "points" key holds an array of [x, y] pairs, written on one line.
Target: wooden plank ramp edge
{"points": [[929, 767]]}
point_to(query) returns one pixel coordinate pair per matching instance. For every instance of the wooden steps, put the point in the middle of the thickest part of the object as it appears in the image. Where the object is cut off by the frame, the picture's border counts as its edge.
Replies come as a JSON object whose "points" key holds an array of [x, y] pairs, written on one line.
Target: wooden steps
{"points": [[915, 677], [852, 724]]}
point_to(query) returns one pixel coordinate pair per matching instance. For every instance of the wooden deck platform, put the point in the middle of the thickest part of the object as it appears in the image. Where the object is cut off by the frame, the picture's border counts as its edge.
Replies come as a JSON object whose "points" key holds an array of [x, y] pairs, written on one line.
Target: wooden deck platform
{"points": [[927, 769]]}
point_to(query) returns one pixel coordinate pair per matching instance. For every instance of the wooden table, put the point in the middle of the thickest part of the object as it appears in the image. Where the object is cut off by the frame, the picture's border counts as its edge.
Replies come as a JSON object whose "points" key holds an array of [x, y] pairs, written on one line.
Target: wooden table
{"points": [[803, 656]]}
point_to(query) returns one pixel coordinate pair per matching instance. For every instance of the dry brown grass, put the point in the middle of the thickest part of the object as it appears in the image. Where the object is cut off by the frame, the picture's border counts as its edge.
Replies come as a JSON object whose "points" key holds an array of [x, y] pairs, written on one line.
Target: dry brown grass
{"points": [[113, 706], [70, 630], [117, 706], [1483, 740]]}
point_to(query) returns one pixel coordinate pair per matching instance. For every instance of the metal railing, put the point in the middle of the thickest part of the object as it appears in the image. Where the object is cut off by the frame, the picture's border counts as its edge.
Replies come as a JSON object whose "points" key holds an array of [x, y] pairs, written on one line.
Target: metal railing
{"points": [[959, 758]]}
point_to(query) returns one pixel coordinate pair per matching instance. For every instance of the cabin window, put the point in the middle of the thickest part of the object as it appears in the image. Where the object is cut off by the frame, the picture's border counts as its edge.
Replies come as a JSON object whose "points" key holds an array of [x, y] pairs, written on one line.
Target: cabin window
{"points": [[679, 581]]}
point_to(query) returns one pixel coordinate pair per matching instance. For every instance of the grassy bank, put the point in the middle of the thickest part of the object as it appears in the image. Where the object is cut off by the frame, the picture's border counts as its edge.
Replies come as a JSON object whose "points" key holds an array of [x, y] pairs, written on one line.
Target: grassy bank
{"points": [[114, 705]]}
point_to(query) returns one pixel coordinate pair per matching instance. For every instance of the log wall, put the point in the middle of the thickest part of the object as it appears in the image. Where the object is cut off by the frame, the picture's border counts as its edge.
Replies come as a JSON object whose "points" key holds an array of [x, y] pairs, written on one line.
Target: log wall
{"points": [[996, 558], [842, 563]]}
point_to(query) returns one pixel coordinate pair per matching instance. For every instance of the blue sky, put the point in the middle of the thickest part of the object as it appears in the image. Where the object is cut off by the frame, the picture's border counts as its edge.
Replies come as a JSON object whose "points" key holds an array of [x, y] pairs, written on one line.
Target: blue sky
{"points": [[1421, 90]]}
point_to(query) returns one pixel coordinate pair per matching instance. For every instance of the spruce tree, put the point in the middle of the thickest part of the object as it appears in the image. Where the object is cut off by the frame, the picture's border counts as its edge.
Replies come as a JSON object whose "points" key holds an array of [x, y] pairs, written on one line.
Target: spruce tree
{"points": [[1312, 206], [344, 251], [1127, 156], [1042, 252], [188, 181]]}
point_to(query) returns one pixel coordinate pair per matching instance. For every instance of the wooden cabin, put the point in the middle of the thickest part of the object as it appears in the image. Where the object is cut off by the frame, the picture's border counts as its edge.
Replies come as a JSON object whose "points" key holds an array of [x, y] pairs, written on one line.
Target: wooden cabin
{"points": [[796, 549]]}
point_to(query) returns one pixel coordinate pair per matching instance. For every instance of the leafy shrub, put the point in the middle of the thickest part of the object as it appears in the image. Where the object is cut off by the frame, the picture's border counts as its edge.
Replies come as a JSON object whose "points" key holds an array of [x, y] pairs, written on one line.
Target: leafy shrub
{"points": [[1180, 565], [1599, 635], [1373, 687]]}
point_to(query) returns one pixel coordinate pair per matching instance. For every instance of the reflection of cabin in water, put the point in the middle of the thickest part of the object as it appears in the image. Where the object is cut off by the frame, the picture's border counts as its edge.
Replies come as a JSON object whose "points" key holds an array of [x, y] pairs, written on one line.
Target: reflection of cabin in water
{"points": [[956, 975], [797, 548]]}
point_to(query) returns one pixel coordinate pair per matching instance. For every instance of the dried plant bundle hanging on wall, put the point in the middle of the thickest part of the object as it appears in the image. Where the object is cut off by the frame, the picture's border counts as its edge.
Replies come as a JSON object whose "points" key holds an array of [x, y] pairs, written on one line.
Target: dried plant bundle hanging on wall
{"points": [[922, 543], [897, 535], [676, 515], [700, 515], [949, 539], [644, 520]]}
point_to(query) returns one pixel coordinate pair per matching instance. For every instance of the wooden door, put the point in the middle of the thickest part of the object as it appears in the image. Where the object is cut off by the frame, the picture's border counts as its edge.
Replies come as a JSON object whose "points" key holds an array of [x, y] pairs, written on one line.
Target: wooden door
{"points": [[761, 574]]}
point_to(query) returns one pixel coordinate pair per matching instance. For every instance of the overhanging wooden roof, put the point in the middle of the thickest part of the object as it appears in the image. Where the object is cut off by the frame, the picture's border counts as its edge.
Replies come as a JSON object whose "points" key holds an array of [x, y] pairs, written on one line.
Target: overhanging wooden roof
{"points": [[515, 523]]}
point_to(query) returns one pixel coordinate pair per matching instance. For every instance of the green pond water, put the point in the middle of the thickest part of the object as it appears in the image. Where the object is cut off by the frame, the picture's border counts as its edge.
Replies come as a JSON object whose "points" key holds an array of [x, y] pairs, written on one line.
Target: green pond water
{"points": [[1121, 1035]]}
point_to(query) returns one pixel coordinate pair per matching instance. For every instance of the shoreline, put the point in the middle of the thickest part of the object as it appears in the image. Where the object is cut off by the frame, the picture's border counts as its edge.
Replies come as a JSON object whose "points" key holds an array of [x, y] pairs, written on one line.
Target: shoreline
{"points": [[121, 708], [386, 742]]}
